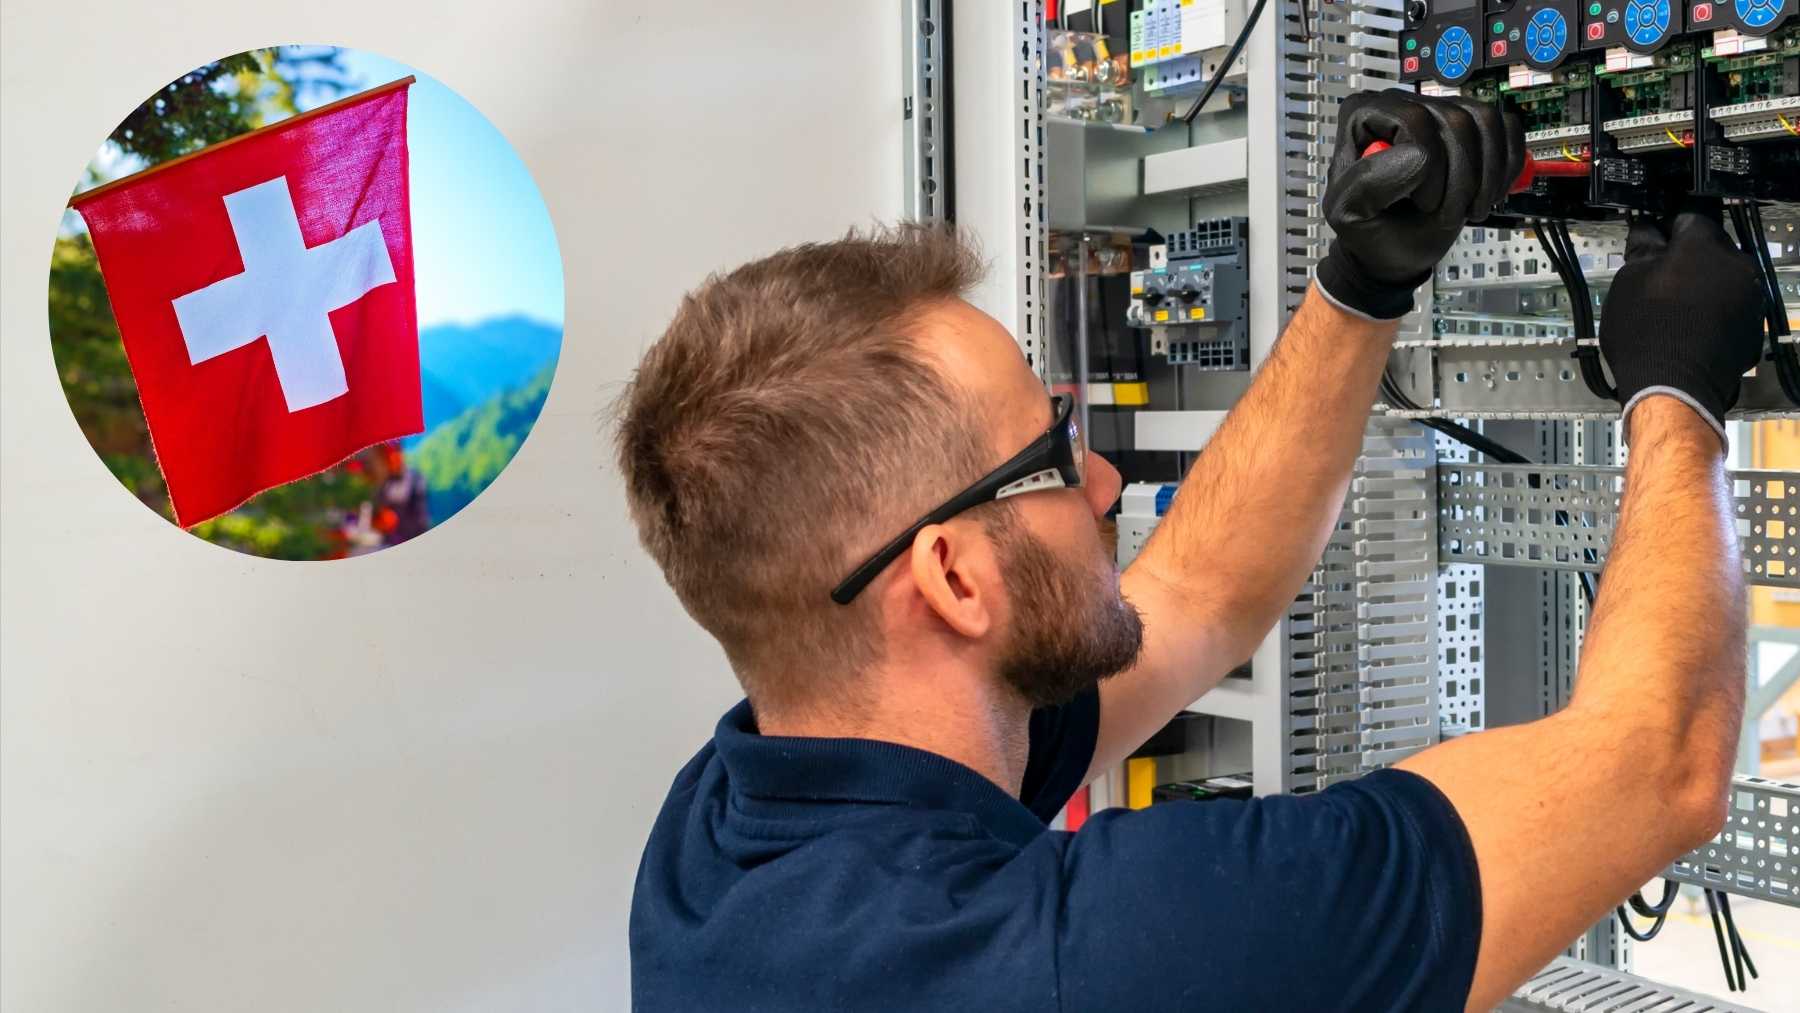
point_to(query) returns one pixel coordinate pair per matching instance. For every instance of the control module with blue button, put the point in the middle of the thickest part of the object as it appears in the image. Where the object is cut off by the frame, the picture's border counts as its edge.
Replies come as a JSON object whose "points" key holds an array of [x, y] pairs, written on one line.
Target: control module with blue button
{"points": [[1641, 26], [1657, 99], [1441, 41], [1540, 34], [1756, 18]]}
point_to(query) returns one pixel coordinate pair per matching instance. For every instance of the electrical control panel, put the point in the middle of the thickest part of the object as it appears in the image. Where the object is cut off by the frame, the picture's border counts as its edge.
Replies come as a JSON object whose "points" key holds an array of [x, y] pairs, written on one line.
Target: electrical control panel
{"points": [[1539, 34], [1447, 600], [1441, 40], [1195, 296], [1640, 26], [1629, 108]]}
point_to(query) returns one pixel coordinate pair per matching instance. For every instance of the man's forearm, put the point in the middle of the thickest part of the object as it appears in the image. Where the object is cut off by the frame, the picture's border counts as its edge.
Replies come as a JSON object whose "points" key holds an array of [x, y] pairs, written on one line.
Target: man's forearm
{"points": [[1253, 514], [1663, 661]]}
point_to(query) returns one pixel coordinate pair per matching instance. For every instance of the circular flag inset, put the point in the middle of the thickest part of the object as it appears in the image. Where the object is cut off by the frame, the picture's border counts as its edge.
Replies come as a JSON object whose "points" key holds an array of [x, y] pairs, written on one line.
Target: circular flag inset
{"points": [[306, 302]]}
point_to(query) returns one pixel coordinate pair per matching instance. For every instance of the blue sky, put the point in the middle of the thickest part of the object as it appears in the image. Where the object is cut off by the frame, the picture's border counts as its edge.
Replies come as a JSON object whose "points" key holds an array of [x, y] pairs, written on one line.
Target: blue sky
{"points": [[482, 239], [483, 245]]}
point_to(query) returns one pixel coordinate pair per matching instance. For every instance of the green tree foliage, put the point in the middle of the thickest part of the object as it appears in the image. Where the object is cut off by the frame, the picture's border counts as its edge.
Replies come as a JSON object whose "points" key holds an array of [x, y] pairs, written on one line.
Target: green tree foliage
{"points": [[463, 455], [196, 109], [212, 103]]}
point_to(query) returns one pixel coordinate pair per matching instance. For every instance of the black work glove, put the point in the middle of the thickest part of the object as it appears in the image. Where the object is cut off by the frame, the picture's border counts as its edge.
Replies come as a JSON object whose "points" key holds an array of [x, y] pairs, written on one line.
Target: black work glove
{"points": [[1397, 212], [1684, 316]]}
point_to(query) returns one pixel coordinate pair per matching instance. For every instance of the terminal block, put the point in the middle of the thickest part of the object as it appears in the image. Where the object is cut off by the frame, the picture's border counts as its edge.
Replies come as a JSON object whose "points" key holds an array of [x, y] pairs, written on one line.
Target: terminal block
{"points": [[1195, 296]]}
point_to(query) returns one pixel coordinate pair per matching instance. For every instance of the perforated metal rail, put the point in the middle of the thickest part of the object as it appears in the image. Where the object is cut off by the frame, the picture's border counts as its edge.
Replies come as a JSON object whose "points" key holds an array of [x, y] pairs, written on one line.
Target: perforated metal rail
{"points": [[1562, 517], [1361, 677], [1580, 987]]}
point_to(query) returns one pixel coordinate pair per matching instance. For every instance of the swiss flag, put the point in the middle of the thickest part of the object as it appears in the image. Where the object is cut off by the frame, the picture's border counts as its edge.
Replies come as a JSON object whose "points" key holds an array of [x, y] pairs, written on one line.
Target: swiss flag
{"points": [[264, 290]]}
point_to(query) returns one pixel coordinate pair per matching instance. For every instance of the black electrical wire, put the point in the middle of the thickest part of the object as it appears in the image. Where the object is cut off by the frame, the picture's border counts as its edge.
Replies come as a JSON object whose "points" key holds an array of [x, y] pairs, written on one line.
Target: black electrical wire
{"points": [[1737, 941], [1391, 393], [1748, 242], [1779, 321], [1559, 248], [1670, 891], [1658, 912], [1224, 67], [1785, 356], [1475, 441], [1712, 908], [1582, 302], [1731, 935], [1748, 223]]}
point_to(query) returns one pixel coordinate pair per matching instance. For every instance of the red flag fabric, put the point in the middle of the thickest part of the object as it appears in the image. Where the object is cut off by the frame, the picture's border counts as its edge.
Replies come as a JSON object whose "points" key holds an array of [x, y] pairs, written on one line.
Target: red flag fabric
{"points": [[264, 290]]}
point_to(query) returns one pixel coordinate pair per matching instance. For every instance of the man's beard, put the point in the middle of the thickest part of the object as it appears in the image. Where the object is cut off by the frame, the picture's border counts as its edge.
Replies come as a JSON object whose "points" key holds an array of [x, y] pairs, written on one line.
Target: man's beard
{"points": [[1071, 626]]}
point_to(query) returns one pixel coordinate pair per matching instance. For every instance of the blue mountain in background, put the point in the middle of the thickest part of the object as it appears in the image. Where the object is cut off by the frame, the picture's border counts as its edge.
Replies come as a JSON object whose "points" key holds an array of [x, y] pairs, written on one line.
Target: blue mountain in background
{"points": [[461, 457], [461, 366], [441, 405]]}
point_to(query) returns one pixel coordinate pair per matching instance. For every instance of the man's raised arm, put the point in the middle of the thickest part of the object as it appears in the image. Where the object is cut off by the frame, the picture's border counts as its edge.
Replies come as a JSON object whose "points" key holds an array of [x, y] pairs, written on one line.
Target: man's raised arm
{"points": [[1568, 815], [1253, 514]]}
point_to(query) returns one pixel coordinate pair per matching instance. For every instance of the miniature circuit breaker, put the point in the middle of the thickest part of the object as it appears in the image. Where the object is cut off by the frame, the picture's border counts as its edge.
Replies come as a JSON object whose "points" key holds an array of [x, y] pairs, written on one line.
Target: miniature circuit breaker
{"points": [[1195, 296]]}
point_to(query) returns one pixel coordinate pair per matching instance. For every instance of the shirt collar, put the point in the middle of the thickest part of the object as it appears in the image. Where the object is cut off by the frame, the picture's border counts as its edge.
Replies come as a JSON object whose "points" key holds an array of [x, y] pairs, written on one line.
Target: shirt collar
{"points": [[863, 770]]}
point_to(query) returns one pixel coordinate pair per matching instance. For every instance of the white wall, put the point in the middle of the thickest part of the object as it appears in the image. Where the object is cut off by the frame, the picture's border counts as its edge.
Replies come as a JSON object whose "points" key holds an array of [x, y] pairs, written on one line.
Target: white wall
{"points": [[419, 780]]}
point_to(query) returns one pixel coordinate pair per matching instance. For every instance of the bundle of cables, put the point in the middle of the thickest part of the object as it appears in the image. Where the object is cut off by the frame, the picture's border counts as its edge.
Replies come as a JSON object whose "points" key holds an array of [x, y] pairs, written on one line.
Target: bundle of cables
{"points": [[1746, 219], [1733, 956], [1553, 235]]}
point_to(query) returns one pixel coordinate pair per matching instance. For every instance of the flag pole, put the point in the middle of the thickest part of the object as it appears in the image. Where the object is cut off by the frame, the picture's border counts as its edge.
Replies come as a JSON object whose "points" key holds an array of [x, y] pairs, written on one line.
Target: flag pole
{"points": [[360, 96]]}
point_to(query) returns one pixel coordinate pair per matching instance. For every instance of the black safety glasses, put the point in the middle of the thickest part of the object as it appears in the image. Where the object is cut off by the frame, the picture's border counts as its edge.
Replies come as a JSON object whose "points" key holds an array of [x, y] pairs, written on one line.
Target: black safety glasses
{"points": [[1052, 461]]}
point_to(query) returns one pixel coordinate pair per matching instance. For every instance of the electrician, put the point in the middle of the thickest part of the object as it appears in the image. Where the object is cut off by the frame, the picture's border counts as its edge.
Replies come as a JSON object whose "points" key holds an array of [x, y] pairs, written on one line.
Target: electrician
{"points": [[855, 482]]}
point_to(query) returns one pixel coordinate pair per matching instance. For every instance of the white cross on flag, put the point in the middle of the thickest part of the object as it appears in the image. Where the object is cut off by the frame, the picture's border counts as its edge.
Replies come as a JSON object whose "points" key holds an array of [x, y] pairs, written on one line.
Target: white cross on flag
{"points": [[264, 290]]}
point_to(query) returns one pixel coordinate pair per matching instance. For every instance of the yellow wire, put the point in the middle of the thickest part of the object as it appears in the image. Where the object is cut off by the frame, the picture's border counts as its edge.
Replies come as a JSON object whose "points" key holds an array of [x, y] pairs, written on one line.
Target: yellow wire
{"points": [[1672, 137], [1790, 127], [1570, 155]]}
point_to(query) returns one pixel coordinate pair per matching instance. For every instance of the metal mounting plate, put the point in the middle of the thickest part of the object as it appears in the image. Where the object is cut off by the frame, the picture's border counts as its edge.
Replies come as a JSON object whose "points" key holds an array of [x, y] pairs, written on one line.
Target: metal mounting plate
{"points": [[1562, 517]]}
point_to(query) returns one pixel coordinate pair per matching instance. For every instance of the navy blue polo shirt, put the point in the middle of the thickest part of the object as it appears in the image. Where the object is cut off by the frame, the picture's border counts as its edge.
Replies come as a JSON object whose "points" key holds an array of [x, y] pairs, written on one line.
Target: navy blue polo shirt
{"points": [[848, 874]]}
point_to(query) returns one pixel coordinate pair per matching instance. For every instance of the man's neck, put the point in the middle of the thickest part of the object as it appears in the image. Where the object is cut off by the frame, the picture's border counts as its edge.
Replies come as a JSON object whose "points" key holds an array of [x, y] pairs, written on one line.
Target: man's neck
{"points": [[983, 727]]}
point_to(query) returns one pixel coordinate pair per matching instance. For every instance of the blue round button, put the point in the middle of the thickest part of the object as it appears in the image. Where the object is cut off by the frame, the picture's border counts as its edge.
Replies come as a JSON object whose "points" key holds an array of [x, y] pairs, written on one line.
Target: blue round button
{"points": [[1646, 21], [1757, 13], [1546, 35], [1455, 53]]}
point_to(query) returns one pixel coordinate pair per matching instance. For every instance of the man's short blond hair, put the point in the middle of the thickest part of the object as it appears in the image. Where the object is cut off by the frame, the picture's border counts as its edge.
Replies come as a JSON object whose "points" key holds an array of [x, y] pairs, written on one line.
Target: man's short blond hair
{"points": [[788, 422]]}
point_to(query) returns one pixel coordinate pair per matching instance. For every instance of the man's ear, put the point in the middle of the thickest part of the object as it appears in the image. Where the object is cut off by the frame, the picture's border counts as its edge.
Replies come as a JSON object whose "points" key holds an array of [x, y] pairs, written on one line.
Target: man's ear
{"points": [[954, 572]]}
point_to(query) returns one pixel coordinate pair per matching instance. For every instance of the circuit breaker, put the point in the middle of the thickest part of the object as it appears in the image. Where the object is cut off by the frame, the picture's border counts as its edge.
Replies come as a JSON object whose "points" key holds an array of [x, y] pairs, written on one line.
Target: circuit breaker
{"points": [[1195, 296]]}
